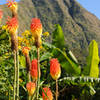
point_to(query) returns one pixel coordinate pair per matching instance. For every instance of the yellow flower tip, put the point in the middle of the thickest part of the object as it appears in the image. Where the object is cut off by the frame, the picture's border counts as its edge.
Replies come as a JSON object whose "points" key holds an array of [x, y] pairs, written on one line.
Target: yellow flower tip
{"points": [[12, 5], [41, 47], [19, 47], [25, 50], [20, 80], [46, 34], [4, 27], [19, 39], [26, 33]]}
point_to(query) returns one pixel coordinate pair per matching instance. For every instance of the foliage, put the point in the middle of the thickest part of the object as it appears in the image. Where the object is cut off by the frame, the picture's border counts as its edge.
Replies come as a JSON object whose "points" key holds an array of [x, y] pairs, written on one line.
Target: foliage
{"points": [[70, 87], [92, 68]]}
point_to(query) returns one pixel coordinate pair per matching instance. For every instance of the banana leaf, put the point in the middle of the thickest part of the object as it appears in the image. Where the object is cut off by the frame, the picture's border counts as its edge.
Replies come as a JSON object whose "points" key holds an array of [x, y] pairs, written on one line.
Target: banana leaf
{"points": [[92, 68]]}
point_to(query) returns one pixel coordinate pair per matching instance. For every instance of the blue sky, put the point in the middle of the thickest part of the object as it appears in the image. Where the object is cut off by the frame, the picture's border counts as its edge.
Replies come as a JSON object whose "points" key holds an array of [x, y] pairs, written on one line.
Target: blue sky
{"points": [[92, 6], [4, 1]]}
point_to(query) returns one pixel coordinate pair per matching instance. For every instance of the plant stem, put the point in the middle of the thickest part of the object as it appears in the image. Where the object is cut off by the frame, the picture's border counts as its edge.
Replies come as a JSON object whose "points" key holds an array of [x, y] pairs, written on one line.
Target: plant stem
{"points": [[38, 80], [17, 75], [14, 96], [56, 89], [29, 80]]}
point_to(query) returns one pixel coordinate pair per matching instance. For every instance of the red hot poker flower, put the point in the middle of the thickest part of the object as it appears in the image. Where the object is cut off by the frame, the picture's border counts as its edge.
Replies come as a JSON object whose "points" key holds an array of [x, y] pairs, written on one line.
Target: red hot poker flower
{"points": [[33, 70], [36, 29], [55, 70], [25, 50], [12, 5], [1, 14], [31, 88], [12, 25], [47, 94]]}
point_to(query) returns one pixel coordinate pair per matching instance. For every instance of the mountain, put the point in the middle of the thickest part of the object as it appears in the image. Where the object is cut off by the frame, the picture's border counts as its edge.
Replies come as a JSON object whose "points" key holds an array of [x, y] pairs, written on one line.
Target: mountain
{"points": [[79, 25]]}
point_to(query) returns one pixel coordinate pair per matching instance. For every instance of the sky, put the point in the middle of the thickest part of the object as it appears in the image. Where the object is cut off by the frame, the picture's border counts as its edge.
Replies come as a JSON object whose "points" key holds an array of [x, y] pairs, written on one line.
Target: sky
{"points": [[92, 6], [4, 1]]}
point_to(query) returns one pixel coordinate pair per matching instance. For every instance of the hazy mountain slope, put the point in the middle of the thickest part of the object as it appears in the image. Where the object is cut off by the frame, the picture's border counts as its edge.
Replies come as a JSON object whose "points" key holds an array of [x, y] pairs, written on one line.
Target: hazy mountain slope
{"points": [[79, 26]]}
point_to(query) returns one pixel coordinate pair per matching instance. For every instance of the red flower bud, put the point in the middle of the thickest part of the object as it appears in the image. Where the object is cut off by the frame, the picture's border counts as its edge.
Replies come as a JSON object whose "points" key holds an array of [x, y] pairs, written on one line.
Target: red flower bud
{"points": [[47, 94], [1, 14], [34, 69], [31, 88]]}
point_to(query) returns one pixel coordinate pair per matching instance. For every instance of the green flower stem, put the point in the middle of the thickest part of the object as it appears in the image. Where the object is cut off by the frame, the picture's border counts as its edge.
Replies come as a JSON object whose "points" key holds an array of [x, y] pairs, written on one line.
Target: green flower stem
{"points": [[56, 89], [17, 75], [38, 80], [14, 90]]}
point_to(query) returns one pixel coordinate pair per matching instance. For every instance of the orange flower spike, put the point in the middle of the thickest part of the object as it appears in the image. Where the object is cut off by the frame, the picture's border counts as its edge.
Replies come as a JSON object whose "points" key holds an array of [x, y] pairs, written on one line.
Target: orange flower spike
{"points": [[12, 5], [47, 94], [1, 14], [31, 88], [25, 50], [55, 70], [12, 25], [33, 70], [36, 29]]}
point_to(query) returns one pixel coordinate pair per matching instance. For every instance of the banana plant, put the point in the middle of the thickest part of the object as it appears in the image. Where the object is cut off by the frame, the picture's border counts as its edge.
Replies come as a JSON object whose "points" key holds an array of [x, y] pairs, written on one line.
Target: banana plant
{"points": [[92, 68]]}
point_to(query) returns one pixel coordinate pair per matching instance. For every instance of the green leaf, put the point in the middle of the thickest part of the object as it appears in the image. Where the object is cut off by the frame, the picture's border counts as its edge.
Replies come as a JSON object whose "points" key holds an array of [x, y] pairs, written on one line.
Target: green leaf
{"points": [[4, 37], [22, 61], [92, 68], [45, 56], [58, 37], [68, 64]]}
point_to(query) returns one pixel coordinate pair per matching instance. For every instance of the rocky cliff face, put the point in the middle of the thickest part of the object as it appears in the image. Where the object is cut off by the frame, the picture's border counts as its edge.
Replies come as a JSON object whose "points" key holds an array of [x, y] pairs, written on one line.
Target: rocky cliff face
{"points": [[79, 25]]}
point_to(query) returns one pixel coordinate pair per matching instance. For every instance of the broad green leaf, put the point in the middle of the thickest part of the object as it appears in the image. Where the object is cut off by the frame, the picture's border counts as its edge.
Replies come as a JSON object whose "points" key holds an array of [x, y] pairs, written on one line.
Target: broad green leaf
{"points": [[58, 37], [22, 61], [69, 65], [92, 68], [4, 37], [45, 56]]}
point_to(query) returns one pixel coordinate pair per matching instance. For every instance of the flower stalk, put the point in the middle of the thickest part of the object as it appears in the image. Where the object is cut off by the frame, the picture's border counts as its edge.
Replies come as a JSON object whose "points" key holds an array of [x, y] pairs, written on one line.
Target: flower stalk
{"points": [[14, 96], [56, 89], [38, 79], [55, 72]]}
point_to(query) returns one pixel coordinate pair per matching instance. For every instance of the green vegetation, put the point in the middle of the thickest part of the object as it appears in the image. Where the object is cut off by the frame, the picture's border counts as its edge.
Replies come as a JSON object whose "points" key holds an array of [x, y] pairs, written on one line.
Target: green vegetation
{"points": [[74, 83], [74, 36]]}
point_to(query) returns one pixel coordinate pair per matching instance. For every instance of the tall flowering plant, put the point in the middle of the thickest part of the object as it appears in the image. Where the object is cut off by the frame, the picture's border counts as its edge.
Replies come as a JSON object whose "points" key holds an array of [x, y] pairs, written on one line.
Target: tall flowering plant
{"points": [[25, 51], [12, 25], [36, 30], [55, 72]]}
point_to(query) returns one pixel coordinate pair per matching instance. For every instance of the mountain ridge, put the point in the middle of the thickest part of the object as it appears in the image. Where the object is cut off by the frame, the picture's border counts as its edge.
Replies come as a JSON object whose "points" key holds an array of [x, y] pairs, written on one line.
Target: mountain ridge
{"points": [[79, 25]]}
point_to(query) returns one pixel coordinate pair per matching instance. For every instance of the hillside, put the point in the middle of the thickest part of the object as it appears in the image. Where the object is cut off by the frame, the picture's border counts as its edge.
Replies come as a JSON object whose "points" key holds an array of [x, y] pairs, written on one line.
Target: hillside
{"points": [[79, 25]]}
